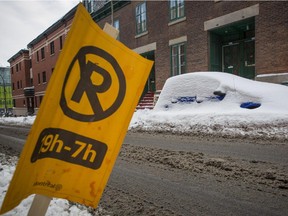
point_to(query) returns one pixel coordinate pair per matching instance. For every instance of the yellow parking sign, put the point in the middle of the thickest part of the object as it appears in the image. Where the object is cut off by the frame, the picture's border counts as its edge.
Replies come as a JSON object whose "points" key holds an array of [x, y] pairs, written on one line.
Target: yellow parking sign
{"points": [[83, 119]]}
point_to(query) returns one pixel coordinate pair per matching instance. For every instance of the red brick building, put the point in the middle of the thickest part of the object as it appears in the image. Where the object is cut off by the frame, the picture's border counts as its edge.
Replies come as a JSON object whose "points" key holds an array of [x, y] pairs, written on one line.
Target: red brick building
{"points": [[44, 51], [20, 79], [30, 81], [247, 38]]}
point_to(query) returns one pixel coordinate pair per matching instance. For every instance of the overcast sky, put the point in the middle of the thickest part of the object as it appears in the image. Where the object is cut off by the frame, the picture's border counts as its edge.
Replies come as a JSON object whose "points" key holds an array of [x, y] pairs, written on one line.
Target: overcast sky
{"points": [[21, 21]]}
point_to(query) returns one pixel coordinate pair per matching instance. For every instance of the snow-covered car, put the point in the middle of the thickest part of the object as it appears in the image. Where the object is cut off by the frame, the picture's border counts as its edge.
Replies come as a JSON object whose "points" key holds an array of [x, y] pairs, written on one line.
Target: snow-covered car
{"points": [[219, 92]]}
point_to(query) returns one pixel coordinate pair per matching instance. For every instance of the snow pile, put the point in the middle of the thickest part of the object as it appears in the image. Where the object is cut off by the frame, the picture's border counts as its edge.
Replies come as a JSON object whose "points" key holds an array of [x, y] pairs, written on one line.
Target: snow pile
{"points": [[225, 125], [201, 92], [21, 121], [206, 103]]}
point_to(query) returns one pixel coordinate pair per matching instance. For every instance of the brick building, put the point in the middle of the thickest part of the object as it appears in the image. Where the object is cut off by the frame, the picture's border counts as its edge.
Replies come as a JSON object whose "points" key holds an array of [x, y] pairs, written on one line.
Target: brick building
{"points": [[38, 62], [247, 38], [44, 51], [31, 69], [20, 68]]}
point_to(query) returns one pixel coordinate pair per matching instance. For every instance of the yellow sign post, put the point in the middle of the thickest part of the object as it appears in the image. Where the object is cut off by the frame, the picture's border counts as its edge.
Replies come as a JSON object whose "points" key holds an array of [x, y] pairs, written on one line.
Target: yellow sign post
{"points": [[83, 119]]}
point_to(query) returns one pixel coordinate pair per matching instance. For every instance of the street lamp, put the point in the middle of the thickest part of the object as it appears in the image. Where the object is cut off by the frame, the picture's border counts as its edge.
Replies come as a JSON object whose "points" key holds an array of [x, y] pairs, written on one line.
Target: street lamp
{"points": [[4, 87]]}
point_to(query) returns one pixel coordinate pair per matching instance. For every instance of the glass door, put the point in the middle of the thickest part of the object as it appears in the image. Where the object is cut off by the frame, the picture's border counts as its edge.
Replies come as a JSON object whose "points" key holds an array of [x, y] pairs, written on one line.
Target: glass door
{"points": [[249, 59], [231, 58]]}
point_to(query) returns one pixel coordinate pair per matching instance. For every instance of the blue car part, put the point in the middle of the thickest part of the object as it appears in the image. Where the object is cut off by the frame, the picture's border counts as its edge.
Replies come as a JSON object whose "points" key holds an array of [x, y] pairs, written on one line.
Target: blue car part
{"points": [[250, 105]]}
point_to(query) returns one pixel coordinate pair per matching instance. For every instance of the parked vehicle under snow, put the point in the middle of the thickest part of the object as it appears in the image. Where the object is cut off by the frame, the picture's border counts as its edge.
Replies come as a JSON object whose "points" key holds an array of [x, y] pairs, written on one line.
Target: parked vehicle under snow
{"points": [[220, 92]]}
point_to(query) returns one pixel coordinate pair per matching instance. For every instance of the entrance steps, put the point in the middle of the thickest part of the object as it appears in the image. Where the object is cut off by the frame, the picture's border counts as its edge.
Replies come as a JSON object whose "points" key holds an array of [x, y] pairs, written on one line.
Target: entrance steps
{"points": [[147, 102]]}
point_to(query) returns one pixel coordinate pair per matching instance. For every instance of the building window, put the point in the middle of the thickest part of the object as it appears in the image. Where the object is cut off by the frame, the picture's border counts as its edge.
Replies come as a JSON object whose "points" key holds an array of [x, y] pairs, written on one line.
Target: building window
{"points": [[18, 85], [61, 42], [39, 80], [178, 59], [37, 54], [35, 100], [88, 5], [42, 53], [116, 25], [44, 77], [176, 9], [18, 67], [40, 99], [13, 86], [141, 18], [52, 49]]}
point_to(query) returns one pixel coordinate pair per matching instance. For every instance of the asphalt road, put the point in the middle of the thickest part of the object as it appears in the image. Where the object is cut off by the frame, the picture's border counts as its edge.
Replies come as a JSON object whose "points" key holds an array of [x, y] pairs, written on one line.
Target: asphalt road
{"points": [[158, 174], [238, 148]]}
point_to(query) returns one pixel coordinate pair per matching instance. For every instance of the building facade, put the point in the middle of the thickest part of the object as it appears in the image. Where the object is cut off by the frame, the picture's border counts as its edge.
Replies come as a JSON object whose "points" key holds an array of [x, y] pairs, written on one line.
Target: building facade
{"points": [[32, 68], [44, 52], [20, 68], [6, 103], [245, 38]]}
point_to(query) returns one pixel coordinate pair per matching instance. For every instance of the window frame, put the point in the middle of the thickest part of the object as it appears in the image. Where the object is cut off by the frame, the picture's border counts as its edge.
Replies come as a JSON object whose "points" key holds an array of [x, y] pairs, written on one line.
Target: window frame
{"points": [[39, 78], [177, 9], [180, 68], [42, 50], [61, 42], [141, 15], [37, 56], [52, 48], [116, 25], [44, 77]]}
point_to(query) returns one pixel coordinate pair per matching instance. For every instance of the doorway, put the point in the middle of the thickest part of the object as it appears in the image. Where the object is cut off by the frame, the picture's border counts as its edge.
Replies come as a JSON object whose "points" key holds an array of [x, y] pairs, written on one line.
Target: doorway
{"points": [[232, 49], [150, 85]]}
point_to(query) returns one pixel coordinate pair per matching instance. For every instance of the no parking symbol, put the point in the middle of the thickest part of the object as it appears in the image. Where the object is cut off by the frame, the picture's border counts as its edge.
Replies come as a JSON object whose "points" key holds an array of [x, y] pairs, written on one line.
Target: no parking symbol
{"points": [[86, 85]]}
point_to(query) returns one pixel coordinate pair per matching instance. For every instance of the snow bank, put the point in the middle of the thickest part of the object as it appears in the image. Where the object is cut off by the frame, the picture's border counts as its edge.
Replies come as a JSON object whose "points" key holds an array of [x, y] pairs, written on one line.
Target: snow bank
{"points": [[21, 121], [176, 111], [194, 104]]}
